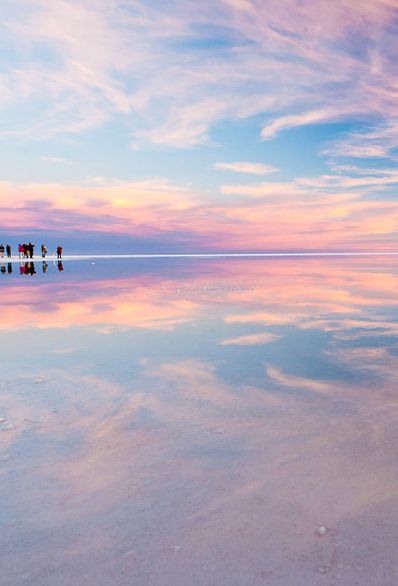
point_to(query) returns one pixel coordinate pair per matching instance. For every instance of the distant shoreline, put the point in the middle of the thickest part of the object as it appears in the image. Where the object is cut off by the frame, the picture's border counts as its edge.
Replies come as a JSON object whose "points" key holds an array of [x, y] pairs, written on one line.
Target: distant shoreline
{"points": [[93, 257]]}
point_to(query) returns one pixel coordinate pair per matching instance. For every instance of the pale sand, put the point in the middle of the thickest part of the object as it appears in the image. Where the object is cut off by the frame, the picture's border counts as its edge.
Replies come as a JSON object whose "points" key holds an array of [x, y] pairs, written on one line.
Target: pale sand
{"points": [[208, 255]]}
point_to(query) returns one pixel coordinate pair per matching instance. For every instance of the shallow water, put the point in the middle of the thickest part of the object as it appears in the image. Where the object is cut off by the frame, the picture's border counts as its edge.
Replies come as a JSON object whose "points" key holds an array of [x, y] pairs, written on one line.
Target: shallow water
{"points": [[195, 421]]}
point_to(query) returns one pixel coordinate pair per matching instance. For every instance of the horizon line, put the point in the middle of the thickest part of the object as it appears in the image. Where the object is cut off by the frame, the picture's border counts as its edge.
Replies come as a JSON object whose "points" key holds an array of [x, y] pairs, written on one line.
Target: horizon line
{"points": [[69, 257]]}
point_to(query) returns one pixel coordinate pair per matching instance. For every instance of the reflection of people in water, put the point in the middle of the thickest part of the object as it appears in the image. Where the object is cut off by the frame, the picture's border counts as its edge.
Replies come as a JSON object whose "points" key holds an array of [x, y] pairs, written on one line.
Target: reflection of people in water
{"points": [[9, 268], [60, 265], [8, 250], [59, 251], [27, 268], [44, 266], [3, 269]]}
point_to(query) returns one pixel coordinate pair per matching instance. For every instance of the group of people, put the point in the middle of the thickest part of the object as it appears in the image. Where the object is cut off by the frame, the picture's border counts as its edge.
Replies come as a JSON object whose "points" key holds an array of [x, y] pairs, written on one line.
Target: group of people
{"points": [[7, 248], [26, 250]]}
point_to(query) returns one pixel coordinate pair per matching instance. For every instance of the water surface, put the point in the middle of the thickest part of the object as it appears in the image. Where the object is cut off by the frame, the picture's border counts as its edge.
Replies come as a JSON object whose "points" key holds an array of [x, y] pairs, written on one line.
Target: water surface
{"points": [[197, 421]]}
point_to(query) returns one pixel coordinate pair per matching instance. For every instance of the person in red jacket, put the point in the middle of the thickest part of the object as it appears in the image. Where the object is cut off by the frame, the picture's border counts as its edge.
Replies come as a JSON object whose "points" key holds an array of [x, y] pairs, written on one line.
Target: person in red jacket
{"points": [[59, 251]]}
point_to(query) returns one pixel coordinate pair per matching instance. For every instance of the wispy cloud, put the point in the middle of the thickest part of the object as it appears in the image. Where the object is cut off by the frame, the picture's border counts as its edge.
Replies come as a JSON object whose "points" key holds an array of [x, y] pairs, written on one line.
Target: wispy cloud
{"points": [[246, 167], [341, 212], [375, 143], [153, 69], [294, 120]]}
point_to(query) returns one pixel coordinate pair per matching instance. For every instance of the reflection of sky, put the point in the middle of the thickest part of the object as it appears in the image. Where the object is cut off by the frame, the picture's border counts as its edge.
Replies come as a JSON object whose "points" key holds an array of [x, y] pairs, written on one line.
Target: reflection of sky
{"points": [[199, 419]]}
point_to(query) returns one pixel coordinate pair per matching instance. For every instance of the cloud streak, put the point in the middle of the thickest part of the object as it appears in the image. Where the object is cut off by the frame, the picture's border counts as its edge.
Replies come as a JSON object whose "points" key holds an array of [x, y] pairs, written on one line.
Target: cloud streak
{"points": [[157, 69], [246, 167], [350, 212]]}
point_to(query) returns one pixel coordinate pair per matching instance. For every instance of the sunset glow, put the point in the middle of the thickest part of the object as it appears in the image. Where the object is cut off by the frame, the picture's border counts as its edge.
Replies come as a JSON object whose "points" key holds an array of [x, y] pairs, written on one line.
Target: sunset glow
{"points": [[232, 125]]}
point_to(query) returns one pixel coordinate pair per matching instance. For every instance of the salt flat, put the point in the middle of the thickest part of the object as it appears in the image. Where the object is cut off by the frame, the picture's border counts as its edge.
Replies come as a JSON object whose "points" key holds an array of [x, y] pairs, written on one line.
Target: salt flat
{"points": [[215, 423]]}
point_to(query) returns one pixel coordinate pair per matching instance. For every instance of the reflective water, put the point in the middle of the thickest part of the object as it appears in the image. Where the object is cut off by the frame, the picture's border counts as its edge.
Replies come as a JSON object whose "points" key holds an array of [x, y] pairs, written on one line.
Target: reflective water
{"points": [[206, 422]]}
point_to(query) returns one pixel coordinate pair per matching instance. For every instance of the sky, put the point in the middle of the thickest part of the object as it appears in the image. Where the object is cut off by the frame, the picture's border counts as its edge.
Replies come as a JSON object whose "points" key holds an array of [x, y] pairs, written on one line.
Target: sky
{"points": [[185, 126]]}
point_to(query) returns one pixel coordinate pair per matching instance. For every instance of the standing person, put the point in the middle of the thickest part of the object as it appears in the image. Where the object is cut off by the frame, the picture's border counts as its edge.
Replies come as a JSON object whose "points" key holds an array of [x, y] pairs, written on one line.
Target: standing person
{"points": [[8, 249], [43, 250], [2, 250], [20, 250], [59, 251], [31, 249], [25, 250]]}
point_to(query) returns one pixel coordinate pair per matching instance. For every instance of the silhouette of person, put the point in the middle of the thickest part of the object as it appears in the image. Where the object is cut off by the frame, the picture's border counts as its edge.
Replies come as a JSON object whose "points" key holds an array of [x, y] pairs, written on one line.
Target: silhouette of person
{"points": [[60, 265], [2, 250], [9, 268], [43, 251], [8, 250], [59, 251]]}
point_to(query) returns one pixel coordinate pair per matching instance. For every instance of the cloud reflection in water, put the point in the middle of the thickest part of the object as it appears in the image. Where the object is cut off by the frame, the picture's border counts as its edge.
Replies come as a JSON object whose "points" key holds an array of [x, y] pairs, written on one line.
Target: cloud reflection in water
{"points": [[230, 411]]}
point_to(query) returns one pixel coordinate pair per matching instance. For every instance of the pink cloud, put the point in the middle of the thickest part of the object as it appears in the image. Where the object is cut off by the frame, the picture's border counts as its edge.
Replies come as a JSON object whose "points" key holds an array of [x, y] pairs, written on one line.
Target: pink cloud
{"points": [[318, 213], [111, 60], [246, 167]]}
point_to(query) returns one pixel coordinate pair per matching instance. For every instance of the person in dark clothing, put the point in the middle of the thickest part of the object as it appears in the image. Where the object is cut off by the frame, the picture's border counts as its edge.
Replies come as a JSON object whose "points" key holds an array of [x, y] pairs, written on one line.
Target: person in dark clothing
{"points": [[8, 250], [31, 249], [59, 251], [43, 250], [2, 250], [9, 268], [60, 265]]}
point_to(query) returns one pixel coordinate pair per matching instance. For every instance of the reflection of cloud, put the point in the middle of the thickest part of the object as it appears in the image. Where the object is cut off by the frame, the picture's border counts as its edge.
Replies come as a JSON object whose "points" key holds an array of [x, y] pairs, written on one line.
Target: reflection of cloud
{"points": [[131, 304], [63, 350], [195, 380], [130, 465], [306, 293], [250, 339], [294, 382]]}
